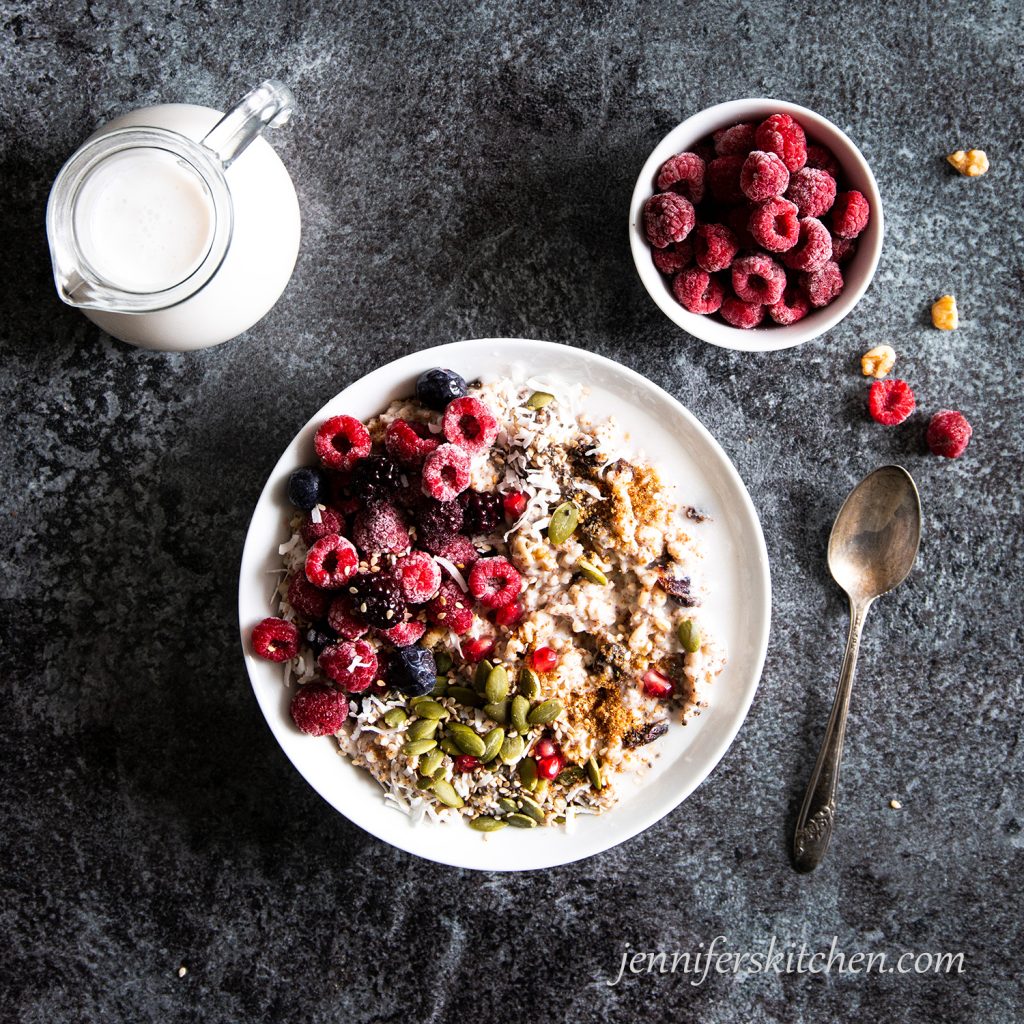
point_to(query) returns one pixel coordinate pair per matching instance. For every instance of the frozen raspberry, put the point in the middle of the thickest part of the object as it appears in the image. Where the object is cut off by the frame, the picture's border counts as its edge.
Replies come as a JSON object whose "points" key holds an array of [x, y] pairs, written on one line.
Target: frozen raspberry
{"points": [[451, 609], [890, 401], [352, 665], [758, 279], [341, 442], [763, 176], [843, 249], [735, 141], [469, 424], [419, 576], [850, 214], [697, 291], [723, 178], [948, 434], [481, 511], [784, 137], [380, 529], [822, 159], [812, 190], [509, 615], [494, 582], [515, 505], [675, 258], [331, 562], [544, 659], [405, 633], [775, 225], [683, 174], [793, 306], [738, 221], [657, 684], [376, 477], [741, 314], [822, 285], [341, 617], [319, 710], [446, 472], [714, 247], [668, 218], [460, 551], [307, 600], [813, 249], [276, 640], [409, 443], [478, 648], [330, 522]]}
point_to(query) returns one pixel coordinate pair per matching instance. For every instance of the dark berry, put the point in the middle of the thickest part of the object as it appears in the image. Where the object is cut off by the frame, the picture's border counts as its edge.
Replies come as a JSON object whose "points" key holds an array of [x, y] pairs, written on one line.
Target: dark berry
{"points": [[437, 387], [412, 670], [378, 599], [469, 424], [948, 434], [341, 442], [306, 487], [319, 710], [276, 639], [481, 511], [380, 529], [437, 522], [376, 477], [494, 582], [318, 639]]}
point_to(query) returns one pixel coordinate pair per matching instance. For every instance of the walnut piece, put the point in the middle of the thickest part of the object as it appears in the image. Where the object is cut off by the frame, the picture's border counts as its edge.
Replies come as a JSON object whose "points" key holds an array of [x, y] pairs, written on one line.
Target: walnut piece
{"points": [[878, 361], [970, 164], [944, 314]]}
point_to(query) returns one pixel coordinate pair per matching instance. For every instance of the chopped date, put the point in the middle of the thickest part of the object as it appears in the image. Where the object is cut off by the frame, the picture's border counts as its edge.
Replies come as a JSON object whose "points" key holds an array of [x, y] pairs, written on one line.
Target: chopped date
{"points": [[696, 514], [644, 734], [678, 588]]}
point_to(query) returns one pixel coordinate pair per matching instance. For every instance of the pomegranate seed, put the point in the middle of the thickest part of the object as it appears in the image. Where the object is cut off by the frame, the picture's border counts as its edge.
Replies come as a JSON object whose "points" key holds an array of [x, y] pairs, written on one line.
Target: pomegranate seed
{"points": [[515, 505], [546, 747], [478, 649], [466, 763], [657, 684], [549, 767], [509, 615], [543, 659]]}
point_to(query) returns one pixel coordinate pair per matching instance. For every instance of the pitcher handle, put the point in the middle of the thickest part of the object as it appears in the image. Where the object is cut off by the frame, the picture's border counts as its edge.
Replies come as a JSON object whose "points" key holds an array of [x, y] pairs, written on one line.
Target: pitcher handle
{"points": [[268, 105]]}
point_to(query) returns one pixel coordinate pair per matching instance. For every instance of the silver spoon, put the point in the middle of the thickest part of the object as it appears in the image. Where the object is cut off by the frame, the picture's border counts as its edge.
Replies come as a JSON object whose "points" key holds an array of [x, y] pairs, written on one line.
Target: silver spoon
{"points": [[871, 551]]}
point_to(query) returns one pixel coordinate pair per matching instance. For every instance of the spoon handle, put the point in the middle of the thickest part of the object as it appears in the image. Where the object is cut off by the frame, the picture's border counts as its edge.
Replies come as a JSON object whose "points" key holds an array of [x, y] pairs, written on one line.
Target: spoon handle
{"points": [[817, 815]]}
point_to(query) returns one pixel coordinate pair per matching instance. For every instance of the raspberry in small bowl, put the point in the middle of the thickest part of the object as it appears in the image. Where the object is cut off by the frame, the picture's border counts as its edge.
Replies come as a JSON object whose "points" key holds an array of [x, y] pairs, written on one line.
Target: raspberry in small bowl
{"points": [[767, 179]]}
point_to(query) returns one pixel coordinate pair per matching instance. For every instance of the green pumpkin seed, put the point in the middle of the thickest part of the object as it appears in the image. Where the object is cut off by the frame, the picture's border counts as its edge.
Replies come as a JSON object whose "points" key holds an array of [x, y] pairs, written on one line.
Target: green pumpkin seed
{"points": [[564, 521], [431, 709], [483, 670], [416, 747], [424, 782], [450, 747], [492, 744], [414, 701], [465, 696], [570, 776], [423, 729], [541, 789], [467, 740], [559, 819], [591, 572], [539, 399], [445, 792], [512, 749], [594, 773], [689, 636], [497, 712], [521, 820], [545, 712], [430, 762], [519, 712], [528, 772], [395, 717], [486, 824], [529, 684], [533, 809], [440, 687], [442, 661], [507, 806], [496, 686]]}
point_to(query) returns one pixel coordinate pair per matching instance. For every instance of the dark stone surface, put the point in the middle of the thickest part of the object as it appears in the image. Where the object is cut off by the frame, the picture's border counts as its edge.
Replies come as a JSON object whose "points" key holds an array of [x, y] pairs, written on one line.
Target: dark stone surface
{"points": [[465, 175]]}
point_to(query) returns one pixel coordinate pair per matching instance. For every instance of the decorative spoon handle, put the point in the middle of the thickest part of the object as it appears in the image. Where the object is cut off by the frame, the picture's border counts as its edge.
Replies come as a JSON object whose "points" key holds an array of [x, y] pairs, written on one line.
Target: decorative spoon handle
{"points": [[817, 815]]}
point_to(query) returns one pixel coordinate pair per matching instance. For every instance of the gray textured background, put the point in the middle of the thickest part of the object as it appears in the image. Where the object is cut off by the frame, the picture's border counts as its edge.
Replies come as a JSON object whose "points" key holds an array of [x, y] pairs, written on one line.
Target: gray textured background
{"points": [[466, 175]]}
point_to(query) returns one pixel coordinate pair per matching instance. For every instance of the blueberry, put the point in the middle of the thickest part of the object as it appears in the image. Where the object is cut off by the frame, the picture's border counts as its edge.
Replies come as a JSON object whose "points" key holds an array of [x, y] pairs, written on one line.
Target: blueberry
{"points": [[412, 670], [318, 639], [304, 487], [437, 387]]}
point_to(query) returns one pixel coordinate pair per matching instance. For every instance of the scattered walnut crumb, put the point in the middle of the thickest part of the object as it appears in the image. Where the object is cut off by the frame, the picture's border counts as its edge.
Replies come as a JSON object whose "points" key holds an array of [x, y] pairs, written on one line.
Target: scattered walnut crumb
{"points": [[895, 805], [944, 313], [971, 164], [877, 362]]}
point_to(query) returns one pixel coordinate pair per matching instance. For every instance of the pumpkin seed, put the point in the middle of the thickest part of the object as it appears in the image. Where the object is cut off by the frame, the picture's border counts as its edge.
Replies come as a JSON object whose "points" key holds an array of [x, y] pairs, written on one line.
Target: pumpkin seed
{"points": [[533, 809], [541, 789], [560, 819], [467, 740], [424, 782], [423, 729], [485, 824], [545, 712], [483, 670], [689, 636], [497, 712], [416, 747], [430, 762], [519, 712], [465, 696], [539, 399], [529, 684], [431, 709], [445, 792], [440, 687], [450, 747], [594, 773], [492, 744], [413, 701], [496, 686], [395, 717], [564, 521], [512, 748], [591, 572], [528, 773], [519, 820], [570, 776], [442, 661], [507, 806]]}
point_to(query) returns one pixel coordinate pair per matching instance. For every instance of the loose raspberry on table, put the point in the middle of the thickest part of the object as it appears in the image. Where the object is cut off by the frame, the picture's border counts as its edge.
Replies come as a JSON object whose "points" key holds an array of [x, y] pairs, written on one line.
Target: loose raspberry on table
{"points": [[377, 597], [319, 710], [668, 218], [697, 291], [341, 442], [822, 285], [850, 214], [276, 639], [409, 443], [446, 472], [735, 141], [675, 258], [758, 279], [793, 306], [307, 600], [890, 401], [763, 176], [741, 314], [948, 434], [342, 618], [352, 665], [683, 174], [330, 522], [380, 529], [714, 247], [481, 512], [437, 522], [812, 190], [775, 225], [469, 424], [843, 249], [451, 609], [495, 582], [405, 633], [723, 178], [460, 551], [419, 576], [782, 135], [331, 562], [822, 159], [813, 248]]}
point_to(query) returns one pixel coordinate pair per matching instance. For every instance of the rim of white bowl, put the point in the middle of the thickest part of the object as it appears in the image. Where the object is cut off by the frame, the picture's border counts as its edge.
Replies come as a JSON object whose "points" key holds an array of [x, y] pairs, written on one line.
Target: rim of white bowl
{"points": [[865, 261]]}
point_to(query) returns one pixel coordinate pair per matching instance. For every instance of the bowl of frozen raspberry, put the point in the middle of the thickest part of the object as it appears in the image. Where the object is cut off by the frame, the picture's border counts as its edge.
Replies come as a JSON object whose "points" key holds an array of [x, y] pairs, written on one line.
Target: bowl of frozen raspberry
{"points": [[756, 225]]}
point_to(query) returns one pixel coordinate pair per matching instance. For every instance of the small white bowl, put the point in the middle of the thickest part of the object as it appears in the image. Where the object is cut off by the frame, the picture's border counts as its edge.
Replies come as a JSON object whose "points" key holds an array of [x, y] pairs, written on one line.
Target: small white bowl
{"points": [[857, 273]]}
